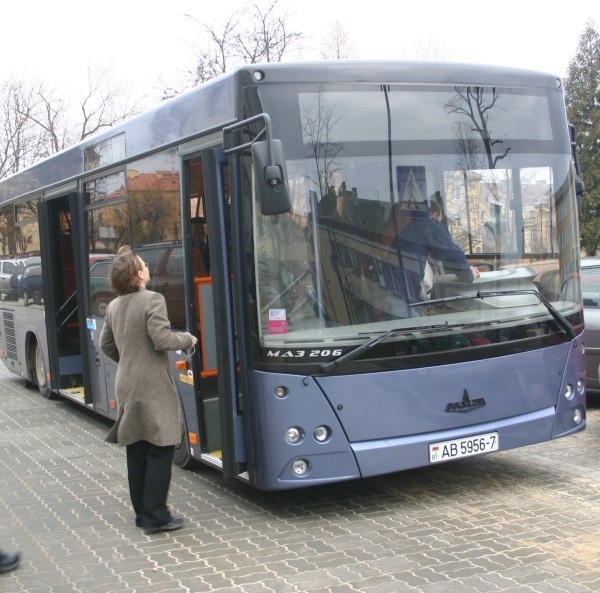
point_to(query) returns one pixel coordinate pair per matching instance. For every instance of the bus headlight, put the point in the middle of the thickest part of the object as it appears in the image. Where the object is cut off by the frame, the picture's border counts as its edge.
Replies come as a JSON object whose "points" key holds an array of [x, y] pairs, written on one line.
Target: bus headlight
{"points": [[300, 467], [569, 393], [580, 387], [281, 391], [293, 435], [321, 434]]}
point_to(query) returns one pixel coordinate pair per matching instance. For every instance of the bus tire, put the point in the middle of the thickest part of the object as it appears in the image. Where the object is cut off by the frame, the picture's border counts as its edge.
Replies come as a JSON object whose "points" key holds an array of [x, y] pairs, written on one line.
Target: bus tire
{"points": [[39, 372], [182, 457]]}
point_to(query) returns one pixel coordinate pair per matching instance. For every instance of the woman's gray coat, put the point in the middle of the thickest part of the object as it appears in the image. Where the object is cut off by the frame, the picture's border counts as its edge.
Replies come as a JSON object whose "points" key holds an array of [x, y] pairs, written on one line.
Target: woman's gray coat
{"points": [[137, 334]]}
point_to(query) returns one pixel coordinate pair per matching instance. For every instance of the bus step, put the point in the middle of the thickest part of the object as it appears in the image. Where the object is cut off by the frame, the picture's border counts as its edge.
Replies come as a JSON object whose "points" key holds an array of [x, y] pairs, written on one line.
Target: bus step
{"points": [[76, 393]]}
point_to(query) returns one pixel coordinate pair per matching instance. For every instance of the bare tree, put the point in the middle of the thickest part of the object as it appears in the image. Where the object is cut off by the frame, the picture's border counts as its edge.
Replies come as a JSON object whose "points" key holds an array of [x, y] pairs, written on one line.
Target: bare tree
{"points": [[253, 35], [318, 128], [20, 141], [267, 37], [337, 46], [38, 121], [427, 50], [215, 57], [475, 103], [102, 105]]}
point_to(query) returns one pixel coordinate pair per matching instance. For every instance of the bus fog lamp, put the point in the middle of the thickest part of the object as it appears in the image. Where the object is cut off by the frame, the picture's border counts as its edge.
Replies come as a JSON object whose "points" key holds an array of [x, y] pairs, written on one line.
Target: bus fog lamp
{"points": [[569, 392], [281, 391], [321, 434], [580, 387], [300, 467], [577, 416], [293, 434]]}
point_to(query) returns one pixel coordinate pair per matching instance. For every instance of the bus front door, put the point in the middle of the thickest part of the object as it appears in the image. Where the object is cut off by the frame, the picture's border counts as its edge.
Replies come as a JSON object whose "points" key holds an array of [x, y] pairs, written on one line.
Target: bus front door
{"points": [[218, 397]]}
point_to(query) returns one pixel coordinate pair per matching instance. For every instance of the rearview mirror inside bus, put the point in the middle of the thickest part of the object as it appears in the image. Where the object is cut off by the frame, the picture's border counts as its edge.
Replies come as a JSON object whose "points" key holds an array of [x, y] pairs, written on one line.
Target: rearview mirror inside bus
{"points": [[271, 175]]}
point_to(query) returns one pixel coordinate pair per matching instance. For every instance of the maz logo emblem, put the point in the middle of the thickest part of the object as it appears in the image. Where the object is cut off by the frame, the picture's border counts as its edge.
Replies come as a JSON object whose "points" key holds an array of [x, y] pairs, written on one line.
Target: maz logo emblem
{"points": [[466, 405]]}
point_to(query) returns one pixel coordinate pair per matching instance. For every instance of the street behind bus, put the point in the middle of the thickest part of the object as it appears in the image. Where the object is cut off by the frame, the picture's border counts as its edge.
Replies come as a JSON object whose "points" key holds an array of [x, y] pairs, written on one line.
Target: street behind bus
{"points": [[522, 520]]}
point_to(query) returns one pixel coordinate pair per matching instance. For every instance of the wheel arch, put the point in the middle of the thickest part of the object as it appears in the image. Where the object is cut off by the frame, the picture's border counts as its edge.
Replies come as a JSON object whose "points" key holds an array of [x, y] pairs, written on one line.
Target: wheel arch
{"points": [[31, 342]]}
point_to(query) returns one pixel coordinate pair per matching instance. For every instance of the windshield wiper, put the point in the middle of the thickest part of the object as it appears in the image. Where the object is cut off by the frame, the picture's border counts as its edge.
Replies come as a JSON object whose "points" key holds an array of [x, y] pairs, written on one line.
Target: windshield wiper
{"points": [[560, 319], [557, 315], [326, 367]]}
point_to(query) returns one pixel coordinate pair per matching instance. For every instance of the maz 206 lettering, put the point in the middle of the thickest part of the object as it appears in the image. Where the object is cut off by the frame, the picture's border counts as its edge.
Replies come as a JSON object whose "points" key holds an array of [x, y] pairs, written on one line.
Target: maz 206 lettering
{"points": [[314, 353]]}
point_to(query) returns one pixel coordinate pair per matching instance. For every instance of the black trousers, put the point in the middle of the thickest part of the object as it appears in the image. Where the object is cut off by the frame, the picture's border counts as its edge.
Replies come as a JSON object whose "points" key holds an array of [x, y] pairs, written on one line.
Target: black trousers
{"points": [[149, 475]]}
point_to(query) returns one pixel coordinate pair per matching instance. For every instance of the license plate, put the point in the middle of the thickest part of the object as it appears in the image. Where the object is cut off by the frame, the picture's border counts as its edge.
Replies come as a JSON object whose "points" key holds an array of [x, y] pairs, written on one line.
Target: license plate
{"points": [[475, 445]]}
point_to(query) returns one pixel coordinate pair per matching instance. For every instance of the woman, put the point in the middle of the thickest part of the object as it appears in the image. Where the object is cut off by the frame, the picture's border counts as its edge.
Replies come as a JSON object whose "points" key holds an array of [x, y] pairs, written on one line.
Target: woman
{"points": [[137, 334]]}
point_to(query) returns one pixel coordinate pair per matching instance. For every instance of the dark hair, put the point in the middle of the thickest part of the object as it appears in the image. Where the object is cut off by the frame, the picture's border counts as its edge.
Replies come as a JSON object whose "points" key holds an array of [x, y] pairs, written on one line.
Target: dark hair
{"points": [[124, 270]]}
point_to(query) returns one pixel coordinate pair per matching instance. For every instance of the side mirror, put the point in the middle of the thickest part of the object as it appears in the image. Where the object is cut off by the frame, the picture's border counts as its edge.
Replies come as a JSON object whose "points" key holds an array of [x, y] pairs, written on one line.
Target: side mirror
{"points": [[271, 177]]}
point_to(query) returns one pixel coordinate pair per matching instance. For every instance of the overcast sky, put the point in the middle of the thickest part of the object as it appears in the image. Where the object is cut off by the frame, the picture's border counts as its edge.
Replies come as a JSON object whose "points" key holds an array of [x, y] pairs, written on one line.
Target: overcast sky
{"points": [[149, 44]]}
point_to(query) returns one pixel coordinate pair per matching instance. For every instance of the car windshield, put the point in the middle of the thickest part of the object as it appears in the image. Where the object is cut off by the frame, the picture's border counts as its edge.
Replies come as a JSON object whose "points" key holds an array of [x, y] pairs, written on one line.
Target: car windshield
{"points": [[9, 267], [32, 270]]}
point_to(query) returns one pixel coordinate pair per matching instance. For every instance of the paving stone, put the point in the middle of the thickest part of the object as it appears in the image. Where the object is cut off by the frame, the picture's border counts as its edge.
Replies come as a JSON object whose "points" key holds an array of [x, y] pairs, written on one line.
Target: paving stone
{"points": [[522, 521]]}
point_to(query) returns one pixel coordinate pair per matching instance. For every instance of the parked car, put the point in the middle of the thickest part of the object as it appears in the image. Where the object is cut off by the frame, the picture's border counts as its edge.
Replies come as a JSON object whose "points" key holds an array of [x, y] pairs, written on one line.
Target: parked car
{"points": [[165, 262], [31, 285], [27, 261], [8, 268], [100, 290], [22, 264], [590, 283]]}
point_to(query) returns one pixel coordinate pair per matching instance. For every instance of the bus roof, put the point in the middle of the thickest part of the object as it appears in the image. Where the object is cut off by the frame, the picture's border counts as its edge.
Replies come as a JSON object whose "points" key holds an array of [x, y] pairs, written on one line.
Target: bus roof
{"points": [[416, 72]]}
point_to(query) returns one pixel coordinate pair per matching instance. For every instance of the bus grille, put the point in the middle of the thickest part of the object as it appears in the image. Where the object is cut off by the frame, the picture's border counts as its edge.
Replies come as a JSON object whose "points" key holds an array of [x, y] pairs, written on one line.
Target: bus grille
{"points": [[9, 334]]}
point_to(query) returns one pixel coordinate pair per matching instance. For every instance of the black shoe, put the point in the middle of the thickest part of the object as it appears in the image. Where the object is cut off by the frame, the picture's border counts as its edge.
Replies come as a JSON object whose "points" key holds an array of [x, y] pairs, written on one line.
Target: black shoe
{"points": [[9, 561], [172, 525]]}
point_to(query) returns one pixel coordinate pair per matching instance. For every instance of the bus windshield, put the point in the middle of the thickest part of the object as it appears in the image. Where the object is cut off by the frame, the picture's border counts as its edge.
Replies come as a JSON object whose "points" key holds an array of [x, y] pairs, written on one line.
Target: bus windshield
{"points": [[408, 202]]}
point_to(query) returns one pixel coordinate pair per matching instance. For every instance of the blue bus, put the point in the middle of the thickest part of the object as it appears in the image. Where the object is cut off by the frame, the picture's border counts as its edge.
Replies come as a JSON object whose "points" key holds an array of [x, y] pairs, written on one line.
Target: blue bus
{"points": [[334, 344]]}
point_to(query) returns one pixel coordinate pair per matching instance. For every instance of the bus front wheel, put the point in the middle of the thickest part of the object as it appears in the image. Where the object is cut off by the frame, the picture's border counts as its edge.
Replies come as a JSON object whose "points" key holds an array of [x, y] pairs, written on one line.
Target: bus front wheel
{"points": [[39, 373]]}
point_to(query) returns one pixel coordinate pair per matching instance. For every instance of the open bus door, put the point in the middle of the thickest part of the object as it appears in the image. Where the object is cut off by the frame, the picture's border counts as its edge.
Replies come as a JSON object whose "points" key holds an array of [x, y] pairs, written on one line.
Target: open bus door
{"points": [[221, 398], [59, 234], [230, 384], [219, 420]]}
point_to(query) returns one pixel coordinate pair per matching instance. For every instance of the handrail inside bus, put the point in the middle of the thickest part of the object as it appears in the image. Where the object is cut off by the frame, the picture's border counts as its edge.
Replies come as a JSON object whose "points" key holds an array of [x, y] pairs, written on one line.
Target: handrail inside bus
{"points": [[63, 306]]}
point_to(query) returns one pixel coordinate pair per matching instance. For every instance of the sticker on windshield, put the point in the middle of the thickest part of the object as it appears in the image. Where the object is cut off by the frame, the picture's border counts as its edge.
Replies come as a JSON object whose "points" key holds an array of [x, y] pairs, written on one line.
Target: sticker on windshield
{"points": [[277, 323]]}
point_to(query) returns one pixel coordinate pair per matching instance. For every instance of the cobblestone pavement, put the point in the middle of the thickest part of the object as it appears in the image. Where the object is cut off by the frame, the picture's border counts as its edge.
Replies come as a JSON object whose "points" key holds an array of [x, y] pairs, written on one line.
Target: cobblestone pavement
{"points": [[525, 520]]}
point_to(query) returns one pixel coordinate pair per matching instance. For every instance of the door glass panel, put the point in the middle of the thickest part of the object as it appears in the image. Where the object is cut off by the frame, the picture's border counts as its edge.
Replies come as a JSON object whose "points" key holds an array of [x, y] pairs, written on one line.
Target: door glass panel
{"points": [[107, 230], [153, 190]]}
